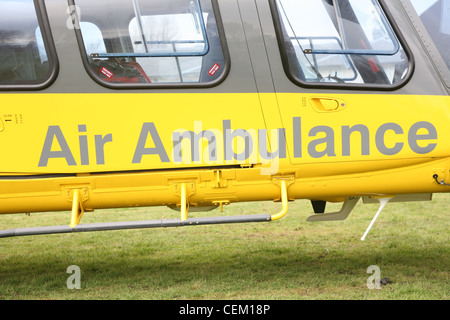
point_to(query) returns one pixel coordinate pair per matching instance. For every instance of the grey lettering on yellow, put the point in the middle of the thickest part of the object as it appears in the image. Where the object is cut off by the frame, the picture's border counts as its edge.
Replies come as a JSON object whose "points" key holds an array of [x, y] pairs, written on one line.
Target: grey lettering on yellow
{"points": [[228, 137], [84, 151], [141, 150], [413, 137], [297, 128], [195, 139], [100, 147], [365, 139], [380, 139], [328, 140], [280, 153], [54, 132]]}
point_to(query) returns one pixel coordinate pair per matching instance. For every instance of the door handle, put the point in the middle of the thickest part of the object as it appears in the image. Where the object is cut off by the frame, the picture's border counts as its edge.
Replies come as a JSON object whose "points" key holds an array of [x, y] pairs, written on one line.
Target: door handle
{"points": [[328, 104]]}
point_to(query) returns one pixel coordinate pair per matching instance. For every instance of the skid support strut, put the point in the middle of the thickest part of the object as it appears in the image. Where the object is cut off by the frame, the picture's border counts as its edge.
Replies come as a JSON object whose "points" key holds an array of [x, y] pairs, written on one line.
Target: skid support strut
{"points": [[77, 210]]}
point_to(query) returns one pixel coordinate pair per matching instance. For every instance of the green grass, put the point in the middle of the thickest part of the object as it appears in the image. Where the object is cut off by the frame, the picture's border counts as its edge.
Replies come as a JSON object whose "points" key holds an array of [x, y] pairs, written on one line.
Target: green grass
{"points": [[286, 259]]}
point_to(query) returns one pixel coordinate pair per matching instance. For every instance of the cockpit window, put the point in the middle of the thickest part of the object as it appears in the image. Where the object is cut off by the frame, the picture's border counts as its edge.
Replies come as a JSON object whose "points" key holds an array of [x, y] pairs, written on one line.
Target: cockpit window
{"points": [[435, 15], [148, 42], [25, 59], [339, 42]]}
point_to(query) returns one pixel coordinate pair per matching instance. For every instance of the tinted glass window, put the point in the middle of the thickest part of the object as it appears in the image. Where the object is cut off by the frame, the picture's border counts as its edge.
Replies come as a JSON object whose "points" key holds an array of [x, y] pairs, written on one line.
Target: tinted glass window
{"points": [[23, 52], [340, 41], [151, 41], [435, 15]]}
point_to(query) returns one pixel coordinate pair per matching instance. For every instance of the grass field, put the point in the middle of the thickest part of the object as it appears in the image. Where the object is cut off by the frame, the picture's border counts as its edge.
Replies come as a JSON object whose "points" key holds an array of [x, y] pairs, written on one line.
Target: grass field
{"points": [[287, 259]]}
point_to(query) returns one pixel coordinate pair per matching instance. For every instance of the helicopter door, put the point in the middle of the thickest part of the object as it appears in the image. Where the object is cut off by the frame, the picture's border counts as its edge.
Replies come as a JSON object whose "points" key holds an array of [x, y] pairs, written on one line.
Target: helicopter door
{"points": [[432, 22], [338, 67], [174, 89], [194, 55]]}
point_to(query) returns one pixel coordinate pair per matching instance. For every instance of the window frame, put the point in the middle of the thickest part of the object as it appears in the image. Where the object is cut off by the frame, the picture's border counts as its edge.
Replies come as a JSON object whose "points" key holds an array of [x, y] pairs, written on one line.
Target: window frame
{"points": [[428, 44], [174, 85], [49, 44], [353, 86]]}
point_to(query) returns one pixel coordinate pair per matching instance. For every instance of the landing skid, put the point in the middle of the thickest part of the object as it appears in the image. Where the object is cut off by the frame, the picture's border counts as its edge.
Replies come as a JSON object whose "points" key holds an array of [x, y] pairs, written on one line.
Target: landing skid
{"points": [[77, 212], [347, 207]]}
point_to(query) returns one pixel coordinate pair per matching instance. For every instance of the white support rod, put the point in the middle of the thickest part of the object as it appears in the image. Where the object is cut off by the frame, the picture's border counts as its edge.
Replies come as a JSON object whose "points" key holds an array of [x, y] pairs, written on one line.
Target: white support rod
{"points": [[383, 203]]}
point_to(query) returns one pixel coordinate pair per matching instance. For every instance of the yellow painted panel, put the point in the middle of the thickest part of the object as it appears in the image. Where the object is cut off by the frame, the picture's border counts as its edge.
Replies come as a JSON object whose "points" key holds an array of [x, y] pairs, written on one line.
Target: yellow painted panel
{"points": [[368, 128], [76, 133], [101, 132]]}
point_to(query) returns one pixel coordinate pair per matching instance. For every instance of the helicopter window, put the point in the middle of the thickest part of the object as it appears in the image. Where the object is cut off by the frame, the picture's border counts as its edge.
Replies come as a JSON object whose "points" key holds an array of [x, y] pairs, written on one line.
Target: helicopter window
{"points": [[148, 42], [339, 42], [435, 15], [24, 55], [93, 39]]}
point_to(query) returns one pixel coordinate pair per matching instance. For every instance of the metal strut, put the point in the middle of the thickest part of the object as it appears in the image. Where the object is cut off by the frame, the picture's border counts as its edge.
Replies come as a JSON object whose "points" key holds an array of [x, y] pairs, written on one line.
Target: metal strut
{"points": [[77, 208], [383, 203], [77, 212], [284, 202], [184, 203]]}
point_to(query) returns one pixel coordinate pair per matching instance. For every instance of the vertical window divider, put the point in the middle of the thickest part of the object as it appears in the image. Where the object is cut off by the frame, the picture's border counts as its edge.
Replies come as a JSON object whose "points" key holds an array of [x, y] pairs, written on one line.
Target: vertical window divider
{"points": [[337, 12], [137, 12]]}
